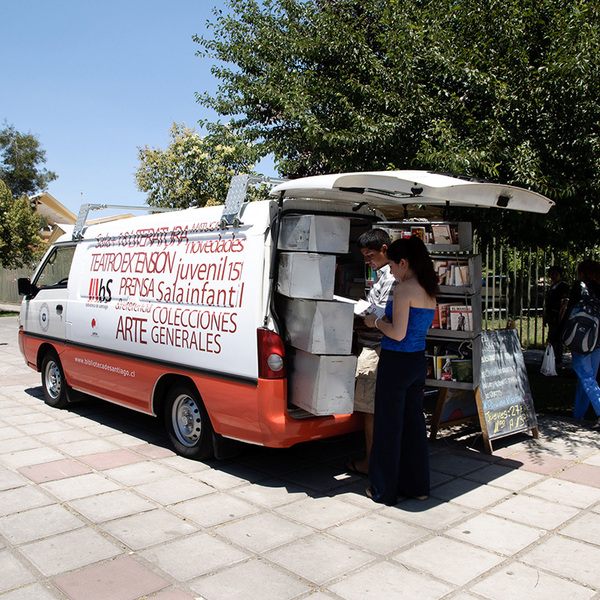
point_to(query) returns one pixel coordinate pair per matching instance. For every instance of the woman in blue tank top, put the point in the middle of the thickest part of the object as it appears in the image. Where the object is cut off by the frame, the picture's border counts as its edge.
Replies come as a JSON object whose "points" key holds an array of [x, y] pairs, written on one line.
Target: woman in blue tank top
{"points": [[399, 463]]}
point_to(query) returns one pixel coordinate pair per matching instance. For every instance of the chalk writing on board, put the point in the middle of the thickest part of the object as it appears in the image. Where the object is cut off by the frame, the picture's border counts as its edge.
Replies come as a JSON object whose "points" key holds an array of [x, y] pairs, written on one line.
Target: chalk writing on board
{"points": [[504, 386]]}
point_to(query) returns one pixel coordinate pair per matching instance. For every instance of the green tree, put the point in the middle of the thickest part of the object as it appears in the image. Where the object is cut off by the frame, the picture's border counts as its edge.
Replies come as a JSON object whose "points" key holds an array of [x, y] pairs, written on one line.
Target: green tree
{"points": [[21, 160], [193, 170], [20, 239], [504, 90]]}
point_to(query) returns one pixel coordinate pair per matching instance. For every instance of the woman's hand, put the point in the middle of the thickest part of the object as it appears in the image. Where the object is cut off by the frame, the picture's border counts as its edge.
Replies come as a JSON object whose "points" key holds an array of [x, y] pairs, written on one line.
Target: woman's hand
{"points": [[370, 320]]}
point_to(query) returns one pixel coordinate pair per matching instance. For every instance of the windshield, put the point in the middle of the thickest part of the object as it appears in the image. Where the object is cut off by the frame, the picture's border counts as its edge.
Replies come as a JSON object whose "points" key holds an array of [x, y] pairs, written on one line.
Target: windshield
{"points": [[56, 267]]}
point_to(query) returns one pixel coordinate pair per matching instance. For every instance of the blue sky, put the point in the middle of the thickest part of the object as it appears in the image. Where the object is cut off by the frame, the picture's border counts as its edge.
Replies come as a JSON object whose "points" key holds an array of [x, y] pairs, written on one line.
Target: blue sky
{"points": [[94, 80]]}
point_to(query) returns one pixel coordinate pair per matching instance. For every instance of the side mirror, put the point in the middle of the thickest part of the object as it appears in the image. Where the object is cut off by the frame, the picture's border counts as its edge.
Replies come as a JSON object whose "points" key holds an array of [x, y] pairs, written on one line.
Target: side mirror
{"points": [[24, 286]]}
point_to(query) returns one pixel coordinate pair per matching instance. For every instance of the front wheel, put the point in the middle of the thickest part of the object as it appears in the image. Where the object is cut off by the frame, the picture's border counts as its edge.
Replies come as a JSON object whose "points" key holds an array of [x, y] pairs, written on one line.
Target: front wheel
{"points": [[188, 424], [56, 390]]}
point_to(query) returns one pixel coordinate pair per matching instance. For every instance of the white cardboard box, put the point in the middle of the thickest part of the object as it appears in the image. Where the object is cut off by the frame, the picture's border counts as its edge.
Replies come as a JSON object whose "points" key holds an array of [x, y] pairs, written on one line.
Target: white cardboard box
{"points": [[322, 384], [319, 326], [306, 275], [314, 233]]}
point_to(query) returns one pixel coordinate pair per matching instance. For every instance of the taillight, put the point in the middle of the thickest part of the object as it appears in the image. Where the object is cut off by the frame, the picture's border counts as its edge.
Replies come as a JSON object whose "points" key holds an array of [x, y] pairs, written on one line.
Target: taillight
{"points": [[271, 355]]}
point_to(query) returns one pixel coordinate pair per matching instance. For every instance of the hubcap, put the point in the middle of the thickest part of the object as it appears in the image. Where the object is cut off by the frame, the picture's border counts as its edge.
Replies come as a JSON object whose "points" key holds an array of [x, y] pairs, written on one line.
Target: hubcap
{"points": [[187, 423], [53, 380]]}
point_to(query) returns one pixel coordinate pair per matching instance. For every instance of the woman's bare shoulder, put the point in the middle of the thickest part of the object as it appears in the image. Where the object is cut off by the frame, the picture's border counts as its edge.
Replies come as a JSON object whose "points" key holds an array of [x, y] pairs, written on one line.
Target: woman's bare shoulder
{"points": [[416, 295]]}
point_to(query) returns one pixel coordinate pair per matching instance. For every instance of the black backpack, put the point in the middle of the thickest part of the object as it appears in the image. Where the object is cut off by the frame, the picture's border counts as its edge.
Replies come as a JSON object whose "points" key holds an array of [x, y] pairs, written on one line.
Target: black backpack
{"points": [[581, 331]]}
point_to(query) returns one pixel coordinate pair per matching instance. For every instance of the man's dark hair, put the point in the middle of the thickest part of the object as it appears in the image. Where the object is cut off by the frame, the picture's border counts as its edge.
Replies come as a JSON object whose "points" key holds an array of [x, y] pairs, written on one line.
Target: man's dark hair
{"points": [[555, 269], [374, 239]]}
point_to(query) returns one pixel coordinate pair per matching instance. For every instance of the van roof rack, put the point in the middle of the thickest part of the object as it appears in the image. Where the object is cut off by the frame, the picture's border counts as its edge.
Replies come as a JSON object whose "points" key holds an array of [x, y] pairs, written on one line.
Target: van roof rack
{"points": [[236, 194], [85, 209]]}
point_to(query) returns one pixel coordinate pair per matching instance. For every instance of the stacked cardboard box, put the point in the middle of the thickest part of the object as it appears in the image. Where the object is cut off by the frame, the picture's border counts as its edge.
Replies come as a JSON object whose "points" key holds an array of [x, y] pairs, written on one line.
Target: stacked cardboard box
{"points": [[318, 324]]}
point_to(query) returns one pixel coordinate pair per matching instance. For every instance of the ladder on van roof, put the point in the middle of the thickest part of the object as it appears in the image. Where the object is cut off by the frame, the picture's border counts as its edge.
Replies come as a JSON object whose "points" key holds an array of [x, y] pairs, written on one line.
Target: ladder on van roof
{"points": [[236, 195], [84, 211]]}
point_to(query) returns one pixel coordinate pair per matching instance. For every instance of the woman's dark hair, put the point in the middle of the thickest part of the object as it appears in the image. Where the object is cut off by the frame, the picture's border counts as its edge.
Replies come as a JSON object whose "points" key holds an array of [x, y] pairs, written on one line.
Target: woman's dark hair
{"points": [[414, 251]]}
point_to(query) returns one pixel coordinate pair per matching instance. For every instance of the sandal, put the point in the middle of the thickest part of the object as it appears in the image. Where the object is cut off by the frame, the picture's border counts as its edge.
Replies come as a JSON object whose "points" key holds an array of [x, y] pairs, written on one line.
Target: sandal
{"points": [[351, 467]]}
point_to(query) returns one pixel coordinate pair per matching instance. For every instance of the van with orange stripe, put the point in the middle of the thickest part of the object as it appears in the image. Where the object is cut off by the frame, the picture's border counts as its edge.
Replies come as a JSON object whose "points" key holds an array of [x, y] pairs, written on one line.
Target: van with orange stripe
{"points": [[194, 315]]}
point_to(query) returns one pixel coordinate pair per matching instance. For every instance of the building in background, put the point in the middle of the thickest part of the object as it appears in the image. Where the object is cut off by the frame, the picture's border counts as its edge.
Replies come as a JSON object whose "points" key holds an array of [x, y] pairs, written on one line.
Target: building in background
{"points": [[58, 221]]}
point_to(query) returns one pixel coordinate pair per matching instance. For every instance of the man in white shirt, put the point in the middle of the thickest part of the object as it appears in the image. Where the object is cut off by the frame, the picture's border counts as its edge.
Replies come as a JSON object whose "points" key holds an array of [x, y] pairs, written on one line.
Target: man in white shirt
{"points": [[373, 245]]}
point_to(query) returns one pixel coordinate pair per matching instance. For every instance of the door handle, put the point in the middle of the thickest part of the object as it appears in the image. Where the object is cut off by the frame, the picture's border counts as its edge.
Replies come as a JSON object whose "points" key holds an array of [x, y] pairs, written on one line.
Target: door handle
{"points": [[59, 309]]}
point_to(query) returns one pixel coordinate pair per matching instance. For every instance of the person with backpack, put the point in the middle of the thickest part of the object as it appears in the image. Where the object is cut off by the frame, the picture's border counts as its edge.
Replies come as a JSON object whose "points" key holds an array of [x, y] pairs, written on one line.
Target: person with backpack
{"points": [[585, 361]]}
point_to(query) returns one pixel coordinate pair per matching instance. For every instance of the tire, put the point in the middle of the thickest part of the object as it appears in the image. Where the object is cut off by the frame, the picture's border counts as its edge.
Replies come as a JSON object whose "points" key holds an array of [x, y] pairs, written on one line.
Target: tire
{"points": [[187, 423], [56, 390]]}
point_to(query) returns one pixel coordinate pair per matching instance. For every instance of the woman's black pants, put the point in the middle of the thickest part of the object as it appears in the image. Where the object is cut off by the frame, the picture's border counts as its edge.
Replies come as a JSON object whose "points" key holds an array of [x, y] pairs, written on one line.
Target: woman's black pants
{"points": [[399, 463]]}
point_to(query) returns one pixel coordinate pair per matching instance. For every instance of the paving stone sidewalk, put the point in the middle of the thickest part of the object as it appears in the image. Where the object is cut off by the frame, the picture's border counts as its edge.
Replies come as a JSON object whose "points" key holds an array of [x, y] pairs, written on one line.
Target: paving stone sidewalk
{"points": [[95, 506]]}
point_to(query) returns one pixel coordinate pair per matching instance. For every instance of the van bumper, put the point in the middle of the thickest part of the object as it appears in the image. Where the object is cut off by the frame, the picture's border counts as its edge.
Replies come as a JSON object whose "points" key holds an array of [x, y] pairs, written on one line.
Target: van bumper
{"points": [[280, 430]]}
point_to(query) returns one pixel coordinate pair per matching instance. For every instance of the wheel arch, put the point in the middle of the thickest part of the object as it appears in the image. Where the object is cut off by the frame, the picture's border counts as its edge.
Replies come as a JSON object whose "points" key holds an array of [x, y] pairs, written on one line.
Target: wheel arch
{"points": [[161, 389], [42, 351]]}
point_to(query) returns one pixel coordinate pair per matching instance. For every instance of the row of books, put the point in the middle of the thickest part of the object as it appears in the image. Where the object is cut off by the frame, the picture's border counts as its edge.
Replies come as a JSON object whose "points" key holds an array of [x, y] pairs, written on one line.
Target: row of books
{"points": [[432, 233], [454, 316], [449, 367], [452, 272]]}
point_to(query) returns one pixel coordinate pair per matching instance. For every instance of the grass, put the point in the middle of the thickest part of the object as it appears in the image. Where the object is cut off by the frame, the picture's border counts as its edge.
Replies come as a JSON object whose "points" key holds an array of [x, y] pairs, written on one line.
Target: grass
{"points": [[9, 313], [531, 333], [530, 329]]}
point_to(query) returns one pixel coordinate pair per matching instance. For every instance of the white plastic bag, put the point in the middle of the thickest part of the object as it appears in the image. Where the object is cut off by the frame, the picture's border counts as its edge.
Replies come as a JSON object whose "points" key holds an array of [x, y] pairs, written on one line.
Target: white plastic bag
{"points": [[548, 362]]}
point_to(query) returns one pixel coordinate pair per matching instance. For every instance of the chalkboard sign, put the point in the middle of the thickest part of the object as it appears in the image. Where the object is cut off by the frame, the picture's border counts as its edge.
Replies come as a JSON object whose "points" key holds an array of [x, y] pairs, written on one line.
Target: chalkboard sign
{"points": [[504, 396]]}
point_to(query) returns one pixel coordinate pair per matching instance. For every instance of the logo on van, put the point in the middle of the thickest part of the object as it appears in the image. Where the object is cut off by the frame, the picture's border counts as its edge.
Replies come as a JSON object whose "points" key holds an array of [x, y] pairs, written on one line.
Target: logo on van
{"points": [[94, 330], [44, 317], [100, 291]]}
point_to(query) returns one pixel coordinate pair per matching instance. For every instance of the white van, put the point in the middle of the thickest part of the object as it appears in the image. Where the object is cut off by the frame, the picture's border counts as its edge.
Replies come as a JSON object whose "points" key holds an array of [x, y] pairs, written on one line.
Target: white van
{"points": [[229, 321]]}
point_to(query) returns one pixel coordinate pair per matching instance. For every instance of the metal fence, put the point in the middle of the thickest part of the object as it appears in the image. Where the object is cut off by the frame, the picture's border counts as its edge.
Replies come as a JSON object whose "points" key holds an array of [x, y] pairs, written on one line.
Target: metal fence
{"points": [[514, 285], [8, 283]]}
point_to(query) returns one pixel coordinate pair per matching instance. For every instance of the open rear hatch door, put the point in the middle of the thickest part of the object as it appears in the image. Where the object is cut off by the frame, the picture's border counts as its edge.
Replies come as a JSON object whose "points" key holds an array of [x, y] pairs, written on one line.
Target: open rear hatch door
{"points": [[392, 189]]}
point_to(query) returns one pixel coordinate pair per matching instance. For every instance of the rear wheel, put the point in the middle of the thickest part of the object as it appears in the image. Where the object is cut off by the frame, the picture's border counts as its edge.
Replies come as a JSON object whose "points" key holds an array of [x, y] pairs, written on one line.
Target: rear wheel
{"points": [[187, 423], [56, 390]]}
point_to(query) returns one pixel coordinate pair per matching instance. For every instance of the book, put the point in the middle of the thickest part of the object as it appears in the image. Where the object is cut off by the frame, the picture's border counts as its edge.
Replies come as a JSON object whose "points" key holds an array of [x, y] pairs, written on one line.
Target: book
{"points": [[441, 269], [395, 234], [443, 308], [441, 315], [461, 274], [461, 318], [419, 231], [443, 366], [441, 233], [451, 272], [435, 324], [361, 308], [462, 369]]}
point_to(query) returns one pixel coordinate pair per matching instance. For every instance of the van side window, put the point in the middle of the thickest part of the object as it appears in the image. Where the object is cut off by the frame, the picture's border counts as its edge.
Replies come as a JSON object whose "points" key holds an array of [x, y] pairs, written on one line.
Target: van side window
{"points": [[55, 272]]}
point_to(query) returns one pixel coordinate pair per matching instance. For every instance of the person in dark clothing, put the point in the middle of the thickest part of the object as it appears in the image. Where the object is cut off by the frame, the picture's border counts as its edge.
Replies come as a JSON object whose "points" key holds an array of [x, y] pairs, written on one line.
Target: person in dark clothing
{"points": [[399, 462], [554, 310], [586, 365]]}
